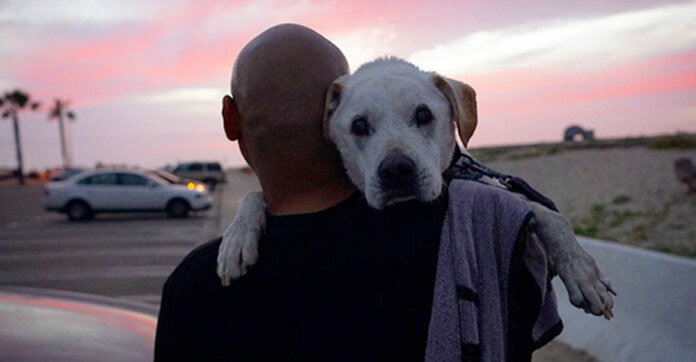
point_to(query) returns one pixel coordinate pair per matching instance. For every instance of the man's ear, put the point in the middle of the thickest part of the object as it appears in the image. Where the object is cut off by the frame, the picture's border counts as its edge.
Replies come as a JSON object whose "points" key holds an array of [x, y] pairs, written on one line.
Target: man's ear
{"points": [[333, 99], [466, 97], [230, 118]]}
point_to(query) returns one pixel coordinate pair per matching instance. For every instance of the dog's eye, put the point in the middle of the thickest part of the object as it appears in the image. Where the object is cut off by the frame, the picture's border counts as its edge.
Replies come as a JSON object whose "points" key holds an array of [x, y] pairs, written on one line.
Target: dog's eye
{"points": [[360, 127], [423, 116]]}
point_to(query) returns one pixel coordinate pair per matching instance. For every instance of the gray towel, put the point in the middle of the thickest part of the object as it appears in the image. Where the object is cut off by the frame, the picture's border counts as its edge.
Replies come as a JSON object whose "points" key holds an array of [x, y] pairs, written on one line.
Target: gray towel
{"points": [[487, 238]]}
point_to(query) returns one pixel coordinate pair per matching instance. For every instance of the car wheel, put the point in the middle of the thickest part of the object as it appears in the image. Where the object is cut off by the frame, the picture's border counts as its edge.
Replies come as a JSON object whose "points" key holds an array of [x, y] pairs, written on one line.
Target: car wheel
{"points": [[178, 208], [78, 211], [211, 183]]}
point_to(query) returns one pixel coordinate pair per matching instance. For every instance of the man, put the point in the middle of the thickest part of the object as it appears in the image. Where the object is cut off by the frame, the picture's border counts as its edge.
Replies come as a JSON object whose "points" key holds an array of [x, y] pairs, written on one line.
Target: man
{"points": [[335, 279]]}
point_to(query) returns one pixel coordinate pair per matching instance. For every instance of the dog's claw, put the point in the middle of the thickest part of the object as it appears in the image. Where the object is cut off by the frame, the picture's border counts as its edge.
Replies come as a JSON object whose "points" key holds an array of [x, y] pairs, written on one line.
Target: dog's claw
{"points": [[226, 281], [608, 314]]}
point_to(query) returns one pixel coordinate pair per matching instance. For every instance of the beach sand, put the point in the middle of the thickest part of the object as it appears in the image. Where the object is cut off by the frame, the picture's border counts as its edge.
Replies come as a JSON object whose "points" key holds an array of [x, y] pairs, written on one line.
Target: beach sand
{"points": [[628, 195]]}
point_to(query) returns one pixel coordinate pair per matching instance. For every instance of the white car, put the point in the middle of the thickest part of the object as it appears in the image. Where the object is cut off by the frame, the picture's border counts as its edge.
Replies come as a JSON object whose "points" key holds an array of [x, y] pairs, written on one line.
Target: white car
{"points": [[90, 192]]}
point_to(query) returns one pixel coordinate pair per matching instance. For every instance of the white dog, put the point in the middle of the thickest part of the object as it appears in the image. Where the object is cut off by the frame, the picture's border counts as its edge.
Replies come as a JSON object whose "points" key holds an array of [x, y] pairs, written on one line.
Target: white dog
{"points": [[394, 127]]}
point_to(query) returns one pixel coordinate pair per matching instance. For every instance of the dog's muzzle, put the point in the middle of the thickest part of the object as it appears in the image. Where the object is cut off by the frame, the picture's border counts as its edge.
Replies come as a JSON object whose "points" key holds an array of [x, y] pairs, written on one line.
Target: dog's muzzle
{"points": [[397, 173]]}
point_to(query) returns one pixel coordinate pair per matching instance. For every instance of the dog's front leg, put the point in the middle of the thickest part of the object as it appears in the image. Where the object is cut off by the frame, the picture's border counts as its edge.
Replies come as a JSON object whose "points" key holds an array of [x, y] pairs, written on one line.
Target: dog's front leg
{"points": [[587, 287], [240, 242]]}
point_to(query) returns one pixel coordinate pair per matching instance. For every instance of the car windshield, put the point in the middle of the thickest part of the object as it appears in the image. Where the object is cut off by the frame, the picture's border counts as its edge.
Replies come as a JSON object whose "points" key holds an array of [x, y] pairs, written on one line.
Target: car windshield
{"points": [[67, 175], [157, 178], [166, 176]]}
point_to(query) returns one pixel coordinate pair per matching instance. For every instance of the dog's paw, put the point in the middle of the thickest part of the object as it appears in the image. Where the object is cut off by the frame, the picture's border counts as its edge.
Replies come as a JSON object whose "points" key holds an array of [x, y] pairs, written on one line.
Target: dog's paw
{"points": [[587, 286], [239, 247], [238, 251]]}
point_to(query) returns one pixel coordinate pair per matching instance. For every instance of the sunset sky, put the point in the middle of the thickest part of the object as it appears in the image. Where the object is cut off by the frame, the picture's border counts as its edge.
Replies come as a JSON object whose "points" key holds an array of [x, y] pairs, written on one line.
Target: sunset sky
{"points": [[146, 78]]}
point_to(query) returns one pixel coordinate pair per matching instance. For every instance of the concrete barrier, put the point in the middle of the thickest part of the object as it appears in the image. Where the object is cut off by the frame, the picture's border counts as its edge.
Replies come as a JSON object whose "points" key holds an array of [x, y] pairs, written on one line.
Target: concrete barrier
{"points": [[655, 311]]}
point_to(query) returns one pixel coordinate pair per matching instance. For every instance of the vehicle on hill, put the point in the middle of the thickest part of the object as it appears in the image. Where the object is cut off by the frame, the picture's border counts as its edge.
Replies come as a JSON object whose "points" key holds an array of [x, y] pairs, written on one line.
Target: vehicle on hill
{"points": [[6, 173], [211, 173], [125, 190]]}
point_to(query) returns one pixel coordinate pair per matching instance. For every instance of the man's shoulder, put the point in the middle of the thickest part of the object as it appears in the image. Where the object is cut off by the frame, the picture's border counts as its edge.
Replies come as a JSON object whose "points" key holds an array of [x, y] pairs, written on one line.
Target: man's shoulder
{"points": [[197, 314], [202, 253], [198, 267]]}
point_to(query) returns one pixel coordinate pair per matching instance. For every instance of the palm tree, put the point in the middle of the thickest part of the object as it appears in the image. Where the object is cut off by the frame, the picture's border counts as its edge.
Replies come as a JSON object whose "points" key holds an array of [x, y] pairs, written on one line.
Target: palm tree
{"points": [[56, 112], [11, 104]]}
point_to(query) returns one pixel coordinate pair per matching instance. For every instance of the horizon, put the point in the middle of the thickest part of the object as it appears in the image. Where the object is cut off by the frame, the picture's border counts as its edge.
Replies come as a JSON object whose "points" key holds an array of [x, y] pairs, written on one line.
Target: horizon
{"points": [[146, 80]]}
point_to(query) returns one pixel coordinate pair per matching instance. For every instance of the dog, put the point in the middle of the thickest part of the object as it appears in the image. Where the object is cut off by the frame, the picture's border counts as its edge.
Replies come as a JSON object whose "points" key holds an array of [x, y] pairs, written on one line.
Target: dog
{"points": [[394, 127]]}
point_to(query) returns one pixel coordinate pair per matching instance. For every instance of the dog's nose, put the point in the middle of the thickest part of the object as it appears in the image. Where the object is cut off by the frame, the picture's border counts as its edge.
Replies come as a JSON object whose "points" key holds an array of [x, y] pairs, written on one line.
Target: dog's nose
{"points": [[396, 169]]}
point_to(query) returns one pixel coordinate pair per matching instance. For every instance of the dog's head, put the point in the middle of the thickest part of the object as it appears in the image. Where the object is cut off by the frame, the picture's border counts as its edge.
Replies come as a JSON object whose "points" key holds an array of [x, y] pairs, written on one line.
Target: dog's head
{"points": [[393, 125]]}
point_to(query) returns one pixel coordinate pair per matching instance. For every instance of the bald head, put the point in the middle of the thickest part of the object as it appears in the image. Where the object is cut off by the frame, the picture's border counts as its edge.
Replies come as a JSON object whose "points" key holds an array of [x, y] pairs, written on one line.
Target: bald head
{"points": [[279, 83]]}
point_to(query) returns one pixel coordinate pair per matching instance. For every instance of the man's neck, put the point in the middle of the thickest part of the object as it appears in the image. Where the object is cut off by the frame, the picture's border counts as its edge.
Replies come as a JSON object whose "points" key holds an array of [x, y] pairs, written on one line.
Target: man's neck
{"points": [[307, 200]]}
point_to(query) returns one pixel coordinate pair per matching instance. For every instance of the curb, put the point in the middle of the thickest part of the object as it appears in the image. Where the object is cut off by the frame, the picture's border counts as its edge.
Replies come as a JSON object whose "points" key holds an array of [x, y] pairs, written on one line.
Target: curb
{"points": [[655, 310]]}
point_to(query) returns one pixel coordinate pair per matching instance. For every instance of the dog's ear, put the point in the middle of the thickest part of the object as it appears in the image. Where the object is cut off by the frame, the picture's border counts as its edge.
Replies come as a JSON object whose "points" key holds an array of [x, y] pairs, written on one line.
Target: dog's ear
{"points": [[469, 113], [333, 99], [462, 98]]}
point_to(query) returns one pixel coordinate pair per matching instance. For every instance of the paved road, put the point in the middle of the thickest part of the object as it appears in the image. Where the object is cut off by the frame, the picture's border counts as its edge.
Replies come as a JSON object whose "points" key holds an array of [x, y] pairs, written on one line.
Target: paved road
{"points": [[121, 255], [655, 313], [129, 255]]}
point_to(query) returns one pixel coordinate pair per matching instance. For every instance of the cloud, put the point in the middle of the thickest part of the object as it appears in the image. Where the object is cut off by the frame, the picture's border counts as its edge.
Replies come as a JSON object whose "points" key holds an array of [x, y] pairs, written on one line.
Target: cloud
{"points": [[580, 43], [363, 45], [150, 74], [180, 95], [80, 11], [189, 44]]}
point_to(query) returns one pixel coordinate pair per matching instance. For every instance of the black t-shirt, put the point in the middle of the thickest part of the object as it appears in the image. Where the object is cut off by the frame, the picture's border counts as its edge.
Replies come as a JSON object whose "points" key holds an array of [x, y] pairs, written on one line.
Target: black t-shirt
{"points": [[346, 283]]}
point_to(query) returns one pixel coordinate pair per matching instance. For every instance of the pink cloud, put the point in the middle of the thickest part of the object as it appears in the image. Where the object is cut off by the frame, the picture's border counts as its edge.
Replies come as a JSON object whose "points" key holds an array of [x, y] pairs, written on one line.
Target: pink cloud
{"points": [[193, 44], [129, 60], [536, 89], [179, 49]]}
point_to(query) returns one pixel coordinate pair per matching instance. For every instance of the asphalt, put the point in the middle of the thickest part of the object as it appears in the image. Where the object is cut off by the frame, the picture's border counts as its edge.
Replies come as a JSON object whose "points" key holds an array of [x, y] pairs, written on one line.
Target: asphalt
{"points": [[117, 255], [123, 255], [654, 312]]}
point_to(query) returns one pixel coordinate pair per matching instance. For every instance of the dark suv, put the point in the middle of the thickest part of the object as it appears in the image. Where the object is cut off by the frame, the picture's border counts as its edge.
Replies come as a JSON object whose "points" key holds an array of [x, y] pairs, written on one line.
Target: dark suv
{"points": [[210, 173]]}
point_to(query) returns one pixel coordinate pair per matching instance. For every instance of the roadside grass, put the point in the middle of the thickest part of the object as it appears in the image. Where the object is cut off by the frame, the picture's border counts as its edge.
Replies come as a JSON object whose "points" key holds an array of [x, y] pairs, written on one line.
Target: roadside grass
{"points": [[621, 199], [678, 226], [590, 225], [613, 221], [640, 232], [677, 250], [541, 151], [488, 155], [674, 142], [601, 218], [618, 218]]}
